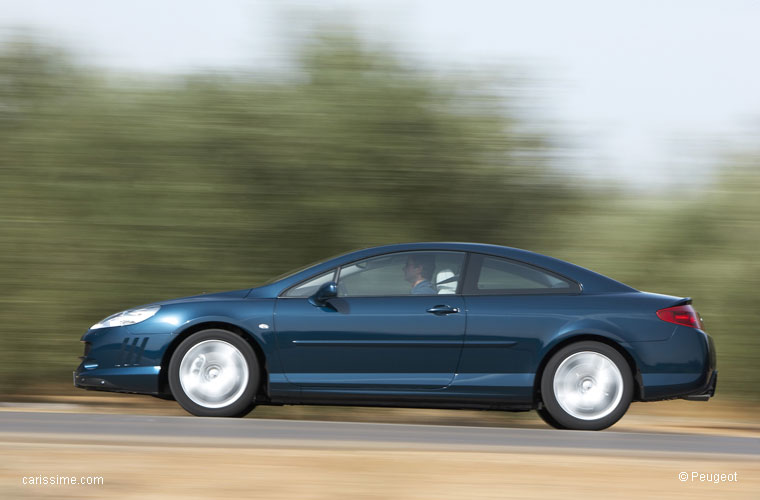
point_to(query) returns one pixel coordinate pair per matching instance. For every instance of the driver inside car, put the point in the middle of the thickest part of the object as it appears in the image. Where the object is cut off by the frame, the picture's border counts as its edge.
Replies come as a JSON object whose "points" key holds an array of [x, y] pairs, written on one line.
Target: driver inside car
{"points": [[419, 271]]}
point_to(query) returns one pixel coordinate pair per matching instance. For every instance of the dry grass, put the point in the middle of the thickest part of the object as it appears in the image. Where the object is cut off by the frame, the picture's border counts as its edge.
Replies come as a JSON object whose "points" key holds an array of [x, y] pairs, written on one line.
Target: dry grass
{"points": [[263, 473]]}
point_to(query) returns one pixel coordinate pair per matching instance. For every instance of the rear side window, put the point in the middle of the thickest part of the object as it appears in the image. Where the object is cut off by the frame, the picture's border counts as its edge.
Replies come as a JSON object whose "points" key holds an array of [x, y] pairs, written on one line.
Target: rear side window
{"points": [[493, 275]]}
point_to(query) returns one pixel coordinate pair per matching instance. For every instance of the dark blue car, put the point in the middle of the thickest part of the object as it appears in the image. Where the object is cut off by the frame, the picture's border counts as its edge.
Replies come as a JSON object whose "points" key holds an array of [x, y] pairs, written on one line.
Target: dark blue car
{"points": [[439, 325]]}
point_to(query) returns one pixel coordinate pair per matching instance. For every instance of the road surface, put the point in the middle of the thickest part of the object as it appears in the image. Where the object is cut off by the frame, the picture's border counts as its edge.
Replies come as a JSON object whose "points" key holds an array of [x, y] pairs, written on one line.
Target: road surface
{"points": [[295, 433]]}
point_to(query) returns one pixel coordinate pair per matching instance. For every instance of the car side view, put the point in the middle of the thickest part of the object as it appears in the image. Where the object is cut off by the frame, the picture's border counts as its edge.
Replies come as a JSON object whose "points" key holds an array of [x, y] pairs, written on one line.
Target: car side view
{"points": [[437, 325]]}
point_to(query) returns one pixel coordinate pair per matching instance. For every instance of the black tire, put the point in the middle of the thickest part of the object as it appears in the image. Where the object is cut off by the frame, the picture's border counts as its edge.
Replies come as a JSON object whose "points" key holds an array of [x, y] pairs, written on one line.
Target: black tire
{"points": [[242, 401], [560, 415], [546, 417]]}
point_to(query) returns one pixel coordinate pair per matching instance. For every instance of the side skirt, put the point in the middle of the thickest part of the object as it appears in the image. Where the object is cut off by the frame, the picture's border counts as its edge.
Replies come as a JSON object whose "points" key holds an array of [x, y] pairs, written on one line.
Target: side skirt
{"points": [[399, 401]]}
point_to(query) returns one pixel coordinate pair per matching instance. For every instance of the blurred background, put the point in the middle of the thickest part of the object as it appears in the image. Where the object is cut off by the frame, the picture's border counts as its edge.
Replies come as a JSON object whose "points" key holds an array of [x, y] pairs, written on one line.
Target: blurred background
{"points": [[151, 151]]}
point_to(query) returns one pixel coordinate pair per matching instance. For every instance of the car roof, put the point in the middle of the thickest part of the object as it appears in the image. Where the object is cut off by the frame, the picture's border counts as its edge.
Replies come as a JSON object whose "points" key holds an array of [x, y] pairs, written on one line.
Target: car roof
{"points": [[590, 280]]}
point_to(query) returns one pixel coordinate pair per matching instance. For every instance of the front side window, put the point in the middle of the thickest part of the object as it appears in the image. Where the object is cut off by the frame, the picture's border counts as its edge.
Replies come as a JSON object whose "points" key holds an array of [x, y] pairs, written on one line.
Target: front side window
{"points": [[494, 275], [403, 273], [310, 286]]}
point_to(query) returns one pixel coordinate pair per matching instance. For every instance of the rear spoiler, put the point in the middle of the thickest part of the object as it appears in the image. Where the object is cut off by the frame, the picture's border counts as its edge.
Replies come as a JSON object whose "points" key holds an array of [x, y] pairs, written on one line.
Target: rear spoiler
{"points": [[683, 302]]}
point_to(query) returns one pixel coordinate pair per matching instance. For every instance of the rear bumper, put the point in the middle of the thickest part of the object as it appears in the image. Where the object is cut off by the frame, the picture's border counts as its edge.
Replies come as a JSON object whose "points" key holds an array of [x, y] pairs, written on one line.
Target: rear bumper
{"points": [[707, 391], [684, 366]]}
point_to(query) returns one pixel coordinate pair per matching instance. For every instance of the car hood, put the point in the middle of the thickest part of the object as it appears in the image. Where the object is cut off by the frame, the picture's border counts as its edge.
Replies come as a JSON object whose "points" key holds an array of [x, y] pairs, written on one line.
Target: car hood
{"points": [[233, 295]]}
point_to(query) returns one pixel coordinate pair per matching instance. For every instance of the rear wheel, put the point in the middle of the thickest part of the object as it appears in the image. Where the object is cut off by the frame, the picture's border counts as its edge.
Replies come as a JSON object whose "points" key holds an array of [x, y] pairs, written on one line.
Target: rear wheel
{"points": [[214, 373], [586, 386]]}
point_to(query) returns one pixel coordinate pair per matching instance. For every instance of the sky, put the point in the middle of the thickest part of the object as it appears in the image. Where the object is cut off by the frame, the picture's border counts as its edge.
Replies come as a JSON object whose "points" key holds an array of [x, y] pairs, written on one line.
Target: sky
{"points": [[641, 91]]}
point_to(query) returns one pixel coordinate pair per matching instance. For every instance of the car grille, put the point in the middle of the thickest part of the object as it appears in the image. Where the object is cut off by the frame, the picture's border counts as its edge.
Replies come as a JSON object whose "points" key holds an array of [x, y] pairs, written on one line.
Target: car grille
{"points": [[131, 352]]}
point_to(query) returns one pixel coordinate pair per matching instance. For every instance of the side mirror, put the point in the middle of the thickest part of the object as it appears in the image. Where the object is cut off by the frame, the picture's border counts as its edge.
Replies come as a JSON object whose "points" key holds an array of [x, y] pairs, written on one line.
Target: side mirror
{"points": [[325, 292]]}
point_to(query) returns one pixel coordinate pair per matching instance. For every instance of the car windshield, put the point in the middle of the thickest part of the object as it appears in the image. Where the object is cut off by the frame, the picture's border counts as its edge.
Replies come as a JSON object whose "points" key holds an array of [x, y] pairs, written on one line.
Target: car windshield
{"points": [[299, 269]]}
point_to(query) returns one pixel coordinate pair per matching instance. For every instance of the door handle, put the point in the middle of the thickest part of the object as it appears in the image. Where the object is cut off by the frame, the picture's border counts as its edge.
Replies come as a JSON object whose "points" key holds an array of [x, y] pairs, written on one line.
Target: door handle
{"points": [[443, 309]]}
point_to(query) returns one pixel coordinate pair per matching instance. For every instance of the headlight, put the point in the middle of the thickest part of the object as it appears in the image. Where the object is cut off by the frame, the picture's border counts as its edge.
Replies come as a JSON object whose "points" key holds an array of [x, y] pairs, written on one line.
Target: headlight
{"points": [[129, 317]]}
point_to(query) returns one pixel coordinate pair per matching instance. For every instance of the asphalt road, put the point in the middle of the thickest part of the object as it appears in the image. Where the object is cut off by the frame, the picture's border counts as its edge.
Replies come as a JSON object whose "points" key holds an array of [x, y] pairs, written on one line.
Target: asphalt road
{"points": [[81, 427]]}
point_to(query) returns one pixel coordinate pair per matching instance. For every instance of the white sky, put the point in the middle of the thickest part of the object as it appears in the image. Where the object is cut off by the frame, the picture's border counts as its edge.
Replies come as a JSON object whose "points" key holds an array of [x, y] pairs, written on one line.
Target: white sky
{"points": [[644, 90]]}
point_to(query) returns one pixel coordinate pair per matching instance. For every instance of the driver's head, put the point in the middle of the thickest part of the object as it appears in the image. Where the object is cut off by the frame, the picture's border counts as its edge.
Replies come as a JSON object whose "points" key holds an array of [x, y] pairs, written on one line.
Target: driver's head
{"points": [[419, 266]]}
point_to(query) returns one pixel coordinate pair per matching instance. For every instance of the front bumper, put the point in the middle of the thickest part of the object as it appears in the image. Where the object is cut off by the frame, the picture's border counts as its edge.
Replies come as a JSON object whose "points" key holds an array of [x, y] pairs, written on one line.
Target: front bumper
{"points": [[117, 359], [135, 379]]}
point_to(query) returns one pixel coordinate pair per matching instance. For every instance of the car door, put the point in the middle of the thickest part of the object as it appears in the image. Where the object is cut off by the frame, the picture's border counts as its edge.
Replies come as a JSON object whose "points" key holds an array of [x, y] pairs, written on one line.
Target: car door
{"points": [[392, 325], [513, 309]]}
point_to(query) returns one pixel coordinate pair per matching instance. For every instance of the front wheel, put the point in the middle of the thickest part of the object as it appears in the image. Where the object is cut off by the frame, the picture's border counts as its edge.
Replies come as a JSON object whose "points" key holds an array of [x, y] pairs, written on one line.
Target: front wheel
{"points": [[214, 373], [586, 386]]}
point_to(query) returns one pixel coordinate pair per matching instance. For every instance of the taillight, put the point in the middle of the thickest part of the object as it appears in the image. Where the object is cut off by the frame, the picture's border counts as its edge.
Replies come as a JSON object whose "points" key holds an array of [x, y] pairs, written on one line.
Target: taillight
{"points": [[681, 315]]}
